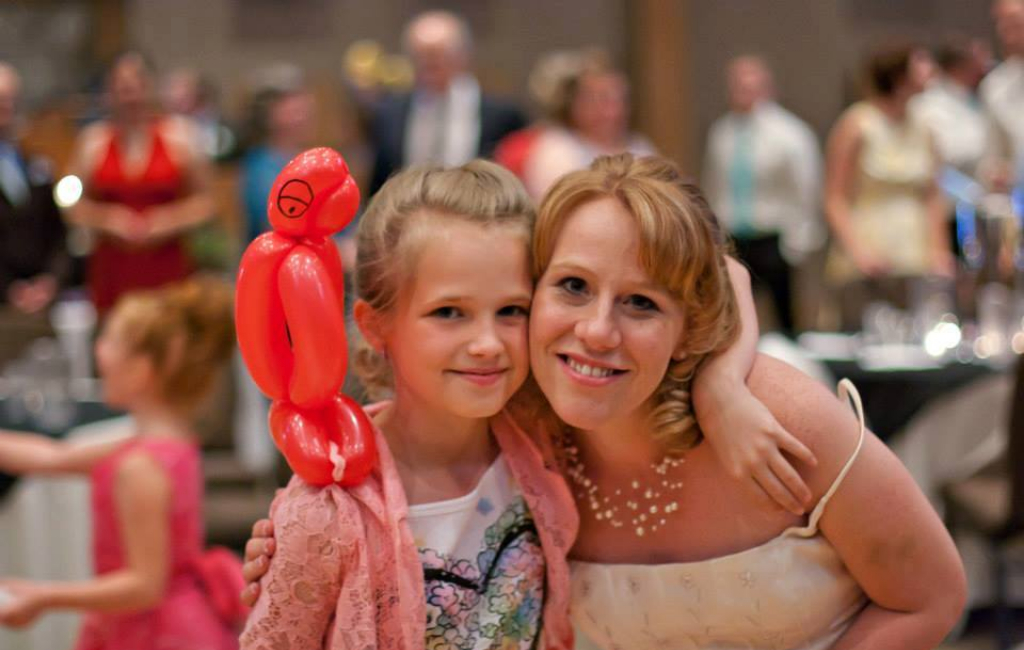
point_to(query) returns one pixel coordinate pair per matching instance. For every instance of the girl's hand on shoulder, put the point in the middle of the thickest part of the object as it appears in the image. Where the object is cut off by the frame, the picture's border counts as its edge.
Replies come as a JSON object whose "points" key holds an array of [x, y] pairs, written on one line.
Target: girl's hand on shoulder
{"points": [[750, 442], [21, 602], [258, 551]]}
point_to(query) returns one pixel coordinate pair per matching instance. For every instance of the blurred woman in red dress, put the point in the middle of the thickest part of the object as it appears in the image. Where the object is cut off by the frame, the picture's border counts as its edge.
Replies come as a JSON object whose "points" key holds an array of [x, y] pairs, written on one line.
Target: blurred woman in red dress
{"points": [[145, 186]]}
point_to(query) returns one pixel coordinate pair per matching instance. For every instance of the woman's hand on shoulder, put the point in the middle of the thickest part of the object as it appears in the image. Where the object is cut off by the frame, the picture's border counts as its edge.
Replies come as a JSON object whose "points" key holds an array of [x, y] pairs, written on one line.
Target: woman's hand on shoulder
{"points": [[752, 445], [258, 551]]}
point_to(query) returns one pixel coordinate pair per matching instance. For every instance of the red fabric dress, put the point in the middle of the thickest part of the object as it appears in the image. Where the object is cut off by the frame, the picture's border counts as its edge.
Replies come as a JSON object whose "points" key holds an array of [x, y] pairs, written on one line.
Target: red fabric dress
{"points": [[196, 610], [515, 148], [116, 266]]}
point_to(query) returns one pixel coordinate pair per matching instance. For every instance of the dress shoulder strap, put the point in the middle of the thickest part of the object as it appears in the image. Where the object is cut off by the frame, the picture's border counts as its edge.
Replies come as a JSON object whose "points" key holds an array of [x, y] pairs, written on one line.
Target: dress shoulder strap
{"points": [[847, 392]]}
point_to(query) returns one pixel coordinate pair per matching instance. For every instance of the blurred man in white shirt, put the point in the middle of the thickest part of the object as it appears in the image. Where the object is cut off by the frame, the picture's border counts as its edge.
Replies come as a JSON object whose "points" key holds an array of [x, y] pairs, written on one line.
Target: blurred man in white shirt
{"points": [[951, 107], [1002, 92], [762, 175]]}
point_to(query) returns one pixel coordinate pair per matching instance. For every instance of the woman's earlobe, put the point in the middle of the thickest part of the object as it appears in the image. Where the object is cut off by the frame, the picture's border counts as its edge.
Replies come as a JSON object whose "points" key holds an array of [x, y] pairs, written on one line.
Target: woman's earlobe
{"points": [[680, 352]]}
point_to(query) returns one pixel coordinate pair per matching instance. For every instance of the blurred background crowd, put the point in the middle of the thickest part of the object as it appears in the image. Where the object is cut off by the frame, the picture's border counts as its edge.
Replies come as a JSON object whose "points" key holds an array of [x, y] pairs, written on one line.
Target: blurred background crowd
{"points": [[848, 159], [866, 158]]}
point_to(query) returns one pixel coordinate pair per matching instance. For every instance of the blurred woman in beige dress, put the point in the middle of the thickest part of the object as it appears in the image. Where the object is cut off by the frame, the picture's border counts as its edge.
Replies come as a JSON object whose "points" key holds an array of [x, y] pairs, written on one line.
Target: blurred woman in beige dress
{"points": [[881, 196]]}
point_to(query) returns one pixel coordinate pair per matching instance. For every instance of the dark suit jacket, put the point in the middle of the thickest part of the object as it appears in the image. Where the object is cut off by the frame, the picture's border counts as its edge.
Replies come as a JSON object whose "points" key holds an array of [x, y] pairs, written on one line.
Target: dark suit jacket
{"points": [[32, 235], [391, 118]]}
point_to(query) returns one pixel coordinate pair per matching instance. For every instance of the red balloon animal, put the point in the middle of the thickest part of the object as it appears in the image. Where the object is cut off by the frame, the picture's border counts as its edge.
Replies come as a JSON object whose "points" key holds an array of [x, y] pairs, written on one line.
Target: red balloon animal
{"points": [[291, 324]]}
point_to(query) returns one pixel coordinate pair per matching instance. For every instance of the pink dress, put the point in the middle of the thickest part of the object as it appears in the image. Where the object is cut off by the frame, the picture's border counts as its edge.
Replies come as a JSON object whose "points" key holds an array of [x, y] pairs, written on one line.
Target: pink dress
{"points": [[187, 618]]}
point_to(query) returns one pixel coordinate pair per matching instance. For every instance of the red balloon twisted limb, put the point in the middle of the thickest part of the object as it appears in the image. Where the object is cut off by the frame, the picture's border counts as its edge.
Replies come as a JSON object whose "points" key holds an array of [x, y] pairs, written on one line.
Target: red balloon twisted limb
{"points": [[289, 312]]}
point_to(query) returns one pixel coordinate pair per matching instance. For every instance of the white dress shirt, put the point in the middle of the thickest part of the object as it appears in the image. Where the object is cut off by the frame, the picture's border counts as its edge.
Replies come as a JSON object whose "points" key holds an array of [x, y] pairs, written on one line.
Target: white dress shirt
{"points": [[1003, 94], [957, 122], [786, 174], [444, 128]]}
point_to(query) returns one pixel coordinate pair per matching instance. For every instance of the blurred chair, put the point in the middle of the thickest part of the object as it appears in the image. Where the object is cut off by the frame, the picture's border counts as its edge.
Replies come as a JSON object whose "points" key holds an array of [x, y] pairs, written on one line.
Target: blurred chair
{"points": [[952, 438], [238, 459], [990, 504]]}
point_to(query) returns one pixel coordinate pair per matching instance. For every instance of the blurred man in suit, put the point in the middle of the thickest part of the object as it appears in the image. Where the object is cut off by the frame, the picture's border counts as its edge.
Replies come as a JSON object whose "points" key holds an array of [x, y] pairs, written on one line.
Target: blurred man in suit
{"points": [[33, 255], [34, 261], [446, 119]]}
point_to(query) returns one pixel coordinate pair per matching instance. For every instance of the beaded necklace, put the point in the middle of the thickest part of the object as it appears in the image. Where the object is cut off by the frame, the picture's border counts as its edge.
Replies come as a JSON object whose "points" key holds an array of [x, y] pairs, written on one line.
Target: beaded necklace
{"points": [[642, 504]]}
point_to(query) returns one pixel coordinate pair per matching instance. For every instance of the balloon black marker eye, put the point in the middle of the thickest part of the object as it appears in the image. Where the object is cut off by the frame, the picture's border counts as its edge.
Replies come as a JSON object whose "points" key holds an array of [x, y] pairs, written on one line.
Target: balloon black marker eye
{"points": [[294, 198]]}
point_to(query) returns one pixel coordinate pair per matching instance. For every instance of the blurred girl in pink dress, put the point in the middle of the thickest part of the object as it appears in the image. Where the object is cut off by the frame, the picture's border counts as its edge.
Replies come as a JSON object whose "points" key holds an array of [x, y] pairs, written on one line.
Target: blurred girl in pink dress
{"points": [[155, 588]]}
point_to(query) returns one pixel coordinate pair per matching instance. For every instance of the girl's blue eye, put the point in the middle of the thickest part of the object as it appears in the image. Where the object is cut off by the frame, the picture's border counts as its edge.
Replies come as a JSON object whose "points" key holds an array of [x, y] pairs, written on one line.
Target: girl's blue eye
{"points": [[641, 303], [573, 285], [446, 313]]}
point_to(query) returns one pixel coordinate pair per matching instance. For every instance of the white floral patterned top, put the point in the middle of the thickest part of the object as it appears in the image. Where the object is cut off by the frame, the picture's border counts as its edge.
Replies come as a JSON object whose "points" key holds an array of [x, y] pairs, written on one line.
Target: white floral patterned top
{"points": [[483, 567]]}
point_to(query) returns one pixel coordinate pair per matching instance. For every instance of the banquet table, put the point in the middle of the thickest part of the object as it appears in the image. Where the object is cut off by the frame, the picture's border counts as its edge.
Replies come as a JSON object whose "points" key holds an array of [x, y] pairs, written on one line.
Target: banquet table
{"points": [[892, 397], [944, 420]]}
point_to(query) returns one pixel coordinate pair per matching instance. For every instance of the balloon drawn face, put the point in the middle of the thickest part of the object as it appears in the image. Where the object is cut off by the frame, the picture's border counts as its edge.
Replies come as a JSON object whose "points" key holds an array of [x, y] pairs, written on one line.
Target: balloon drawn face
{"points": [[294, 198], [314, 195]]}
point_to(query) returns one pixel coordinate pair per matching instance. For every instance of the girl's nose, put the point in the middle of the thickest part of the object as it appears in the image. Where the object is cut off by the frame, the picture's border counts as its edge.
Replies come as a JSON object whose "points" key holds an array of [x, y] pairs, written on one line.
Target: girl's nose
{"points": [[486, 343]]}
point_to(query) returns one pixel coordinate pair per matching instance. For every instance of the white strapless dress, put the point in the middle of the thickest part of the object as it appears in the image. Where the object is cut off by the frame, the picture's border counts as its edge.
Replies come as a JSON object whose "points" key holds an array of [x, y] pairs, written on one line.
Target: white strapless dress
{"points": [[790, 593]]}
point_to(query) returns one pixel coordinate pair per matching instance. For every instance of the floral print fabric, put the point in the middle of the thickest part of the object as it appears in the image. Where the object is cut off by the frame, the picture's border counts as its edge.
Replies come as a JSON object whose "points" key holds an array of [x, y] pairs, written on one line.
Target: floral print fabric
{"points": [[493, 600]]}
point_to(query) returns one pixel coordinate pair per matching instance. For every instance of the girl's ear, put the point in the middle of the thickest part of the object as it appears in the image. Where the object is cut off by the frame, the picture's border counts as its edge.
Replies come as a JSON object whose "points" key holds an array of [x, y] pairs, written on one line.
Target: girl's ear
{"points": [[370, 324]]}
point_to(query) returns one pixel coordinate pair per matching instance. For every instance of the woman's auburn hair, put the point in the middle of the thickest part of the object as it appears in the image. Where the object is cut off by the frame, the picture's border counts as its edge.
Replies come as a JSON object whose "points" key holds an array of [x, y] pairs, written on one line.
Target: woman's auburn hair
{"points": [[680, 249]]}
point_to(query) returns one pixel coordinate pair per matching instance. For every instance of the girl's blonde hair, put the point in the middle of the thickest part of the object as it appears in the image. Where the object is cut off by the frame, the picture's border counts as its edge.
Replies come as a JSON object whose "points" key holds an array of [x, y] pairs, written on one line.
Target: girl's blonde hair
{"points": [[408, 207], [680, 249], [186, 329]]}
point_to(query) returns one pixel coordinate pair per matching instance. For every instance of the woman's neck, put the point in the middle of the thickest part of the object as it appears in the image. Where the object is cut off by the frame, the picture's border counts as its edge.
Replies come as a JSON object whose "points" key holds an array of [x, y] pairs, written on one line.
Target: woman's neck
{"points": [[894, 107], [131, 125], [625, 445], [286, 144], [608, 143]]}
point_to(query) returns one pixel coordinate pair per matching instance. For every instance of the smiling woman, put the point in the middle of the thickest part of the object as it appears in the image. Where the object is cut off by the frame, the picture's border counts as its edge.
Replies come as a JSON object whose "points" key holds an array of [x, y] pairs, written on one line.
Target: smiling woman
{"points": [[632, 297], [634, 325]]}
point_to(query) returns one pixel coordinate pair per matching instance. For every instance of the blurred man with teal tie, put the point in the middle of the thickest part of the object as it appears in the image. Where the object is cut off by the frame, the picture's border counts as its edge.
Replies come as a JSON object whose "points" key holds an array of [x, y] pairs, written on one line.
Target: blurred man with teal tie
{"points": [[762, 175]]}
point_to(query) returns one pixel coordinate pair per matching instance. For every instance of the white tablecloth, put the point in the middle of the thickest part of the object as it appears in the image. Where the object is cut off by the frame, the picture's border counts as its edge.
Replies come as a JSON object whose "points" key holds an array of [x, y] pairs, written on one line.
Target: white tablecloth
{"points": [[46, 534]]}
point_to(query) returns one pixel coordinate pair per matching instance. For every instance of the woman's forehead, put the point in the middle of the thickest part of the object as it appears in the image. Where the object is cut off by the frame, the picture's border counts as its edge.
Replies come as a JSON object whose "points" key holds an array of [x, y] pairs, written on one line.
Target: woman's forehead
{"points": [[602, 227]]}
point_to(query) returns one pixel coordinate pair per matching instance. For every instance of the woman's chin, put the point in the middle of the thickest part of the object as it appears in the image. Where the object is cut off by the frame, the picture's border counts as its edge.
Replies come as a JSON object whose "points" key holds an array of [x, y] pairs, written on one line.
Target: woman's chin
{"points": [[582, 416]]}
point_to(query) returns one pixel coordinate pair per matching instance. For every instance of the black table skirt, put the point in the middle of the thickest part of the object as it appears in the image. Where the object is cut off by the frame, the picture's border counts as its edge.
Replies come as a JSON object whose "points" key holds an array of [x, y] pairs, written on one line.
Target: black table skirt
{"points": [[892, 397]]}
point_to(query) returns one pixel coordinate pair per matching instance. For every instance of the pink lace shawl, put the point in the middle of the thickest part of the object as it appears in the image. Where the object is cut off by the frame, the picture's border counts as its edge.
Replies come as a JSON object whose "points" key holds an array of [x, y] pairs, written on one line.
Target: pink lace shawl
{"points": [[347, 575]]}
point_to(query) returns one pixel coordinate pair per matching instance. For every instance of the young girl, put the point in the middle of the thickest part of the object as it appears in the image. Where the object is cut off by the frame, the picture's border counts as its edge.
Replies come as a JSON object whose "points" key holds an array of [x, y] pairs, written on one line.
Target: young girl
{"points": [[459, 540], [460, 536], [158, 356]]}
